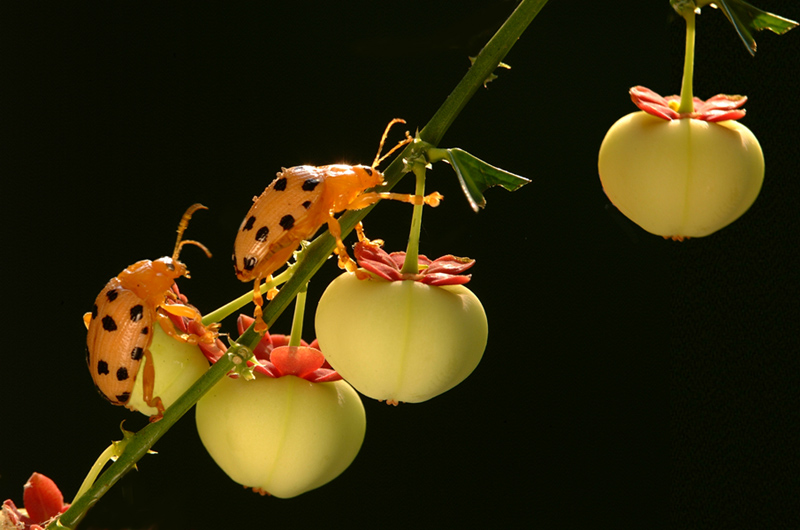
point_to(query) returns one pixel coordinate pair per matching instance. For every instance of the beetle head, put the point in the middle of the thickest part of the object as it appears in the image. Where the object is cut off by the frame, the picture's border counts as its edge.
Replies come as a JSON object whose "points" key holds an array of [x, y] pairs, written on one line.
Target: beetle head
{"points": [[170, 268], [367, 177]]}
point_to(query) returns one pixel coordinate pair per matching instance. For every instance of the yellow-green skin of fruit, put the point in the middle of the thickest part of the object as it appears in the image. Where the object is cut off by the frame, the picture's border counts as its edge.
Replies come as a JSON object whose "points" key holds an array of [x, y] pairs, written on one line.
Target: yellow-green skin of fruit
{"points": [[177, 365], [284, 436], [680, 178], [400, 341]]}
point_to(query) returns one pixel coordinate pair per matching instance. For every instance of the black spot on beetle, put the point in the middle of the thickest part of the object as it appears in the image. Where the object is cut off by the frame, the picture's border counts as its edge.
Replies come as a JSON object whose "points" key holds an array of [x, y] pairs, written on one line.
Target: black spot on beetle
{"points": [[249, 224], [94, 311], [310, 184], [262, 234], [287, 222], [122, 374], [136, 312], [136, 353], [124, 397], [112, 295], [109, 324], [102, 368], [145, 330], [280, 184], [249, 262], [307, 205]]}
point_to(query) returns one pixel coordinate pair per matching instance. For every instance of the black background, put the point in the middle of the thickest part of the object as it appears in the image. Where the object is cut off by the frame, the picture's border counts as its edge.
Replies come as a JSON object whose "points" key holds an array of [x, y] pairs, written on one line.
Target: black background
{"points": [[628, 380]]}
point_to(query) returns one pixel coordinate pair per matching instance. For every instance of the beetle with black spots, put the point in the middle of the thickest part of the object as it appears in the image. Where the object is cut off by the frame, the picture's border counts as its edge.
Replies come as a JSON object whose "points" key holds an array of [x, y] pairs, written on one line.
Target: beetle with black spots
{"points": [[296, 205], [120, 325]]}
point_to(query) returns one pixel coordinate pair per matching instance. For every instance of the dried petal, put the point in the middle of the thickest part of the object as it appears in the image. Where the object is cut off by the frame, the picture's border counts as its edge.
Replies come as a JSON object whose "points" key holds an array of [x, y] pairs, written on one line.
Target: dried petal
{"points": [[449, 265], [445, 279], [652, 103], [723, 101], [376, 260], [723, 115], [11, 517]]}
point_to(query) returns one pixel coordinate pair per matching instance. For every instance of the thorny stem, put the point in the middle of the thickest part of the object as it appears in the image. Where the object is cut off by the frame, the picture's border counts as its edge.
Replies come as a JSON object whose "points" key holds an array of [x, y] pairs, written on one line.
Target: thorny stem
{"points": [[485, 63], [312, 259], [686, 106], [411, 263], [143, 440]]}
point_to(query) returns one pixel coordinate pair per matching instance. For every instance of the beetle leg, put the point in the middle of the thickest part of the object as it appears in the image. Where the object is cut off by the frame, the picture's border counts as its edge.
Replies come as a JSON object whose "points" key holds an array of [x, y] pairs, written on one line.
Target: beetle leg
{"points": [[345, 262], [258, 300], [365, 199], [181, 310], [344, 259], [148, 386], [208, 335], [272, 293], [87, 317], [362, 236]]}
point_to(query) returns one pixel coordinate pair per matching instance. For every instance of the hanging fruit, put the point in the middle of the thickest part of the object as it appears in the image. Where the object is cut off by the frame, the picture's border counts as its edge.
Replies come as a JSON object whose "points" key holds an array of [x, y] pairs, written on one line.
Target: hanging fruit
{"points": [[402, 337], [682, 167]]}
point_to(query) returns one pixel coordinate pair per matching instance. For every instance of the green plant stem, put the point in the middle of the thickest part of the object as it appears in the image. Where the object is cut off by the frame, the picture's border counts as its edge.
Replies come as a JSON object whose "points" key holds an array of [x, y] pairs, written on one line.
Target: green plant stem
{"points": [[411, 263], [299, 314], [485, 63], [143, 440], [311, 260], [686, 105]]}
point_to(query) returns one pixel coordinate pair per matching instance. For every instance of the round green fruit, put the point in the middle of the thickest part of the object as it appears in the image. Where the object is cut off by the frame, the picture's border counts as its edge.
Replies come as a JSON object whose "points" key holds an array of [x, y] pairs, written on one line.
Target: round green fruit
{"points": [[283, 436], [401, 340], [680, 178], [177, 366]]}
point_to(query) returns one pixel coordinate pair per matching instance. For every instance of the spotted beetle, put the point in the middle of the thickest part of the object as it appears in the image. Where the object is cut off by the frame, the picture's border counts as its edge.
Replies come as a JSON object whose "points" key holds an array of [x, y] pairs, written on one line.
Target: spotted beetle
{"points": [[120, 325], [296, 204]]}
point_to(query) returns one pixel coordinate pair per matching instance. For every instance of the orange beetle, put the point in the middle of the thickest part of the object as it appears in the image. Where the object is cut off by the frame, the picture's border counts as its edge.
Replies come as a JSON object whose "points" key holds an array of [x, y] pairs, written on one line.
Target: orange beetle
{"points": [[296, 204], [120, 325]]}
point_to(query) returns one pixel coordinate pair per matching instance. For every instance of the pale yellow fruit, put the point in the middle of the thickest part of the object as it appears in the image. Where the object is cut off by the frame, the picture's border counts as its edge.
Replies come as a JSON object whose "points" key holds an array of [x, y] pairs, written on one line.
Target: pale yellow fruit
{"points": [[281, 436], [400, 341], [680, 178], [177, 365]]}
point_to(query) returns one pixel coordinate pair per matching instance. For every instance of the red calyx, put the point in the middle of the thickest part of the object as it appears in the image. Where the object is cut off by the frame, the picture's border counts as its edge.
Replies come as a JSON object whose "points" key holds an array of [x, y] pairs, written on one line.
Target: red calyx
{"points": [[718, 108], [277, 359], [446, 270]]}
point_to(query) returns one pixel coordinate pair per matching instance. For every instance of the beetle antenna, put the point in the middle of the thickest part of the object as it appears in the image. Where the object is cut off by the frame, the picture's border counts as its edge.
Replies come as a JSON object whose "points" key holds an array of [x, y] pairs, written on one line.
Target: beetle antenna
{"points": [[378, 157], [195, 243], [182, 227]]}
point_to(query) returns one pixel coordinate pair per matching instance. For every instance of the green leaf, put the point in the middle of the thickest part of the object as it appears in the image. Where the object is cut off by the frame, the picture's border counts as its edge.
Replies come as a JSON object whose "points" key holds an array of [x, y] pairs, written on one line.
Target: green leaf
{"points": [[476, 176], [746, 18]]}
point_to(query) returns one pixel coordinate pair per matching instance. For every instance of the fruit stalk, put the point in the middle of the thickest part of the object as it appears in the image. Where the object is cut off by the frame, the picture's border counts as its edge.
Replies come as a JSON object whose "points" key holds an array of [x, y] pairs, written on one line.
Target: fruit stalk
{"points": [[411, 263], [686, 105], [299, 313]]}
